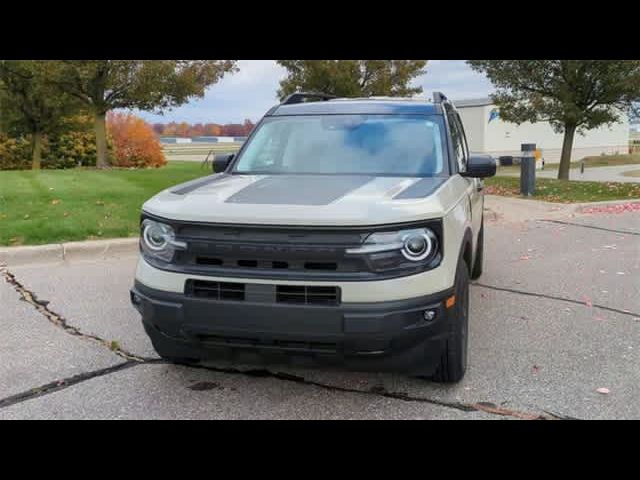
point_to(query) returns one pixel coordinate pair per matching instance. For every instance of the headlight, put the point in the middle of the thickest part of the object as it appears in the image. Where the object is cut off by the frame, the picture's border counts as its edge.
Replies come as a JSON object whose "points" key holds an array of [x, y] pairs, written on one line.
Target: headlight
{"points": [[400, 249], [159, 240], [417, 246]]}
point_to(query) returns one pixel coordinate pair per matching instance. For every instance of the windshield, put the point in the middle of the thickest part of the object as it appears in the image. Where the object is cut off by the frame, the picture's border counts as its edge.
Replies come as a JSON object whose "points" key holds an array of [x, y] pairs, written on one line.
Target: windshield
{"points": [[400, 145]]}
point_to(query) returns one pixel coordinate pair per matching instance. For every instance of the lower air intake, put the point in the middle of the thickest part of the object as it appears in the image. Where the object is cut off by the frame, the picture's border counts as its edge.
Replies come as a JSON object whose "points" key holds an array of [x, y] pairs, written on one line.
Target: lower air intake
{"points": [[307, 295], [215, 290]]}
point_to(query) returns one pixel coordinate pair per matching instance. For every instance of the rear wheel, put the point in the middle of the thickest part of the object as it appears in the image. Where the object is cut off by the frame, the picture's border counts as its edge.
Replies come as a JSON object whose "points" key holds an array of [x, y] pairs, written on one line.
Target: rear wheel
{"points": [[453, 359]]}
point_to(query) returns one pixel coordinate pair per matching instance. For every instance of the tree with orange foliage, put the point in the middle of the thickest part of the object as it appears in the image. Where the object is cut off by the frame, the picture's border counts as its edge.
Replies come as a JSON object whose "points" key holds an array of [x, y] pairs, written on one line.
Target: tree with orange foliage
{"points": [[196, 130], [212, 129], [170, 129], [182, 129], [150, 85], [134, 141], [233, 130]]}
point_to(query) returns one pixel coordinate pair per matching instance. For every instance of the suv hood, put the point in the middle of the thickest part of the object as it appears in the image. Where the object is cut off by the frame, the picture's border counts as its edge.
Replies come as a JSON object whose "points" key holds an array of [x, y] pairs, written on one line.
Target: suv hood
{"points": [[306, 199]]}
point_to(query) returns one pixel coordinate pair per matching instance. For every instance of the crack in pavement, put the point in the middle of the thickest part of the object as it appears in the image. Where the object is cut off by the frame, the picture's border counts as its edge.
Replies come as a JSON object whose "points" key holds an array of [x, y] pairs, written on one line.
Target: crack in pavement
{"points": [[553, 297], [561, 222], [487, 407], [59, 321], [64, 383]]}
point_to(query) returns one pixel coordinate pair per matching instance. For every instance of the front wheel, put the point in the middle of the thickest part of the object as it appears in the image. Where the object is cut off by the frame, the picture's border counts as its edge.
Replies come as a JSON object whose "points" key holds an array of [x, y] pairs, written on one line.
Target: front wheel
{"points": [[453, 359], [187, 361]]}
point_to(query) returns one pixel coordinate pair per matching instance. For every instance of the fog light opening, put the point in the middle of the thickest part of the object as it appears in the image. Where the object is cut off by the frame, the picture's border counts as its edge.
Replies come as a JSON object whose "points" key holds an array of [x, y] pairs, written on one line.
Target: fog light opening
{"points": [[135, 299], [429, 315]]}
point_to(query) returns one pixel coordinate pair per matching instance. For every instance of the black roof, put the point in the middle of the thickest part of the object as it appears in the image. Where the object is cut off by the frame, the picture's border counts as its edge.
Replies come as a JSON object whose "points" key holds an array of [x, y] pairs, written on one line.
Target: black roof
{"points": [[389, 106]]}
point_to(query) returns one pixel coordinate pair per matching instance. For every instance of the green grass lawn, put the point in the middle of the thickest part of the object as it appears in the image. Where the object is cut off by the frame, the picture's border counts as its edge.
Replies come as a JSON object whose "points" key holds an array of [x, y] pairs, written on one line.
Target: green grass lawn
{"points": [[589, 162], [63, 205], [551, 190]]}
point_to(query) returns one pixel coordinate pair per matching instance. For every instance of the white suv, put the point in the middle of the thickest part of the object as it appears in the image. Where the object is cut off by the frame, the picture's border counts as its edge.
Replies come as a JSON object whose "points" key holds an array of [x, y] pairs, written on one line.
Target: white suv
{"points": [[343, 232]]}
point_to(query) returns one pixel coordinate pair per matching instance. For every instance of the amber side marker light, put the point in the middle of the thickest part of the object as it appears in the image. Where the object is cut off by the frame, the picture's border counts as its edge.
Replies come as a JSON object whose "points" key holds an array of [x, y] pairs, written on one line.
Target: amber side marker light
{"points": [[451, 301]]}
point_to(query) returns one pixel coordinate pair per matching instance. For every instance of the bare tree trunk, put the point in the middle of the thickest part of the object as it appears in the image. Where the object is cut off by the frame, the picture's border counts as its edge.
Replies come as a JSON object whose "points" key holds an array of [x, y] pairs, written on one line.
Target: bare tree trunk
{"points": [[36, 150], [101, 140], [565, 157]]}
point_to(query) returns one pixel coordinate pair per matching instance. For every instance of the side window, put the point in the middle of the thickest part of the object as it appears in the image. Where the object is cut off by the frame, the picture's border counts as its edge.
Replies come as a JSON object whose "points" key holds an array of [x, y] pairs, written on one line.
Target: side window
{"points": [[457, 139]]}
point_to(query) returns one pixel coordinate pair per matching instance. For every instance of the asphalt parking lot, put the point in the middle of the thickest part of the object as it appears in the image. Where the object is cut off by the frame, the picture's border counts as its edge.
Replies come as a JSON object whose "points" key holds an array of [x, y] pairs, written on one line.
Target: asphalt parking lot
{"points": [[555, 321]]}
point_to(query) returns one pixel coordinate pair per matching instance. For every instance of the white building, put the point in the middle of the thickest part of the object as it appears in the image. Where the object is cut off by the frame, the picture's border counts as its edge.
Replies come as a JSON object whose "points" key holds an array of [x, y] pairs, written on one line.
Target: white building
{"points": [[487, 133]]}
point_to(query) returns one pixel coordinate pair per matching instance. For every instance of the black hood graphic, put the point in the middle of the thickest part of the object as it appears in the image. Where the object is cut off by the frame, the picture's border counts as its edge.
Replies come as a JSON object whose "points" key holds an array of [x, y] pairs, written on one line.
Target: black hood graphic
{"points": [[299, 189]]}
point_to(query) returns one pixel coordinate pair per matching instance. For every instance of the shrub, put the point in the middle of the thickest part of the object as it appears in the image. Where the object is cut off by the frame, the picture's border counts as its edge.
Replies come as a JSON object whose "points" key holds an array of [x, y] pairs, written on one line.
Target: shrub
{"points": [[71, 149], [15, 153], [72, 145], [134, 141]]}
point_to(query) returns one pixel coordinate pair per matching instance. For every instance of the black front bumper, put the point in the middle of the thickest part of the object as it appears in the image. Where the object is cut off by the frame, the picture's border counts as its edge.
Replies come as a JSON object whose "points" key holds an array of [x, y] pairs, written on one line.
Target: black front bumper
{"points": [[385, 336]]}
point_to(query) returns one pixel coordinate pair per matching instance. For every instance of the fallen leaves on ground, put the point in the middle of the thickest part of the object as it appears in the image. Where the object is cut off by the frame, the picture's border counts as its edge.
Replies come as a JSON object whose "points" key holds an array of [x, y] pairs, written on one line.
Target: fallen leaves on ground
{"points": [[620, 208]]}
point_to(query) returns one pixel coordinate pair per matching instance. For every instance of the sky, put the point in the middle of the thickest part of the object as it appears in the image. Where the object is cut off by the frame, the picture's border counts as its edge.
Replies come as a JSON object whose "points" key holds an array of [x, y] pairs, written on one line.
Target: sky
{"points": [[250, 92]]}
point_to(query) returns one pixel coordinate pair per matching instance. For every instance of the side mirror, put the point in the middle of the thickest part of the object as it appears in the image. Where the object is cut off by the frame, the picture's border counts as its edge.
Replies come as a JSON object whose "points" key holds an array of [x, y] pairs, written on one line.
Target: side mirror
{"points": [[480, 166], [221, 161]]}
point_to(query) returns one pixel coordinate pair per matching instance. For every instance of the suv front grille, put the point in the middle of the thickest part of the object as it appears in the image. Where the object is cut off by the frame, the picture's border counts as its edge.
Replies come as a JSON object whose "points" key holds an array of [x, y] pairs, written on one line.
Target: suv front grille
{"points": [[263, 251], [282, 253], [267, 264]]}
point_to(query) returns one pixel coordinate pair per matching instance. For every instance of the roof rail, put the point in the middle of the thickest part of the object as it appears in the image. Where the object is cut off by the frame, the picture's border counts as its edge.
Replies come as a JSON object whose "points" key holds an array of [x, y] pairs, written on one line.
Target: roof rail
{"points": [[439, 97], [300, 97]]}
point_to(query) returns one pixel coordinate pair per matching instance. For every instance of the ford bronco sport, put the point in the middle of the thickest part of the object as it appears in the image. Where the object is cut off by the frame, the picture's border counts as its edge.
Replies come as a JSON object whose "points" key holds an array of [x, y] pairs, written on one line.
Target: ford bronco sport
{"points": [[344, 231]]}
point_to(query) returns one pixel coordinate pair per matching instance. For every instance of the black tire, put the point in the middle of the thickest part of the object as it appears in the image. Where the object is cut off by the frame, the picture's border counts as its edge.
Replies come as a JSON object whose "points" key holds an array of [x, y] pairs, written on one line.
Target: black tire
{"points": [[180, 360], [476, 272], [453, 359]]}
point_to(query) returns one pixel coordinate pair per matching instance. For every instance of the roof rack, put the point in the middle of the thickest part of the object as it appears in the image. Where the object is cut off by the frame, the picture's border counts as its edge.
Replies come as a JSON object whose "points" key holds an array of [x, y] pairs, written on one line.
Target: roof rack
{"points": [[300, 97], [439, 97]]}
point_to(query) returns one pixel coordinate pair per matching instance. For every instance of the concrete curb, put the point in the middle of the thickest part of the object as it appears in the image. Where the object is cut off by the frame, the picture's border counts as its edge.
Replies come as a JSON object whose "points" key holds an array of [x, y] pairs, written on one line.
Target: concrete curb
{"points": [[580, 206], [512, 209], [556, 204], [68, 252]]}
